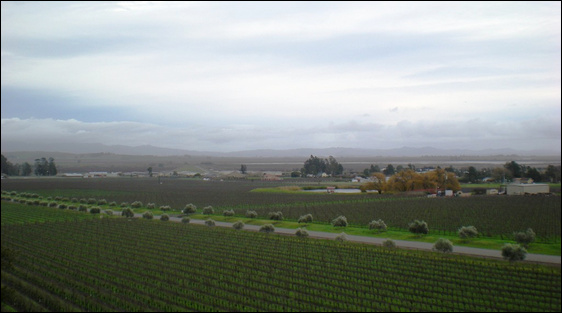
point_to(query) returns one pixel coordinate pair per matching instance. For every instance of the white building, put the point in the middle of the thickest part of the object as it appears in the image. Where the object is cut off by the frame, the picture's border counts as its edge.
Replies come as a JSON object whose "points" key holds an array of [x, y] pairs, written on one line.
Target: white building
{"points": [[521, 189], [72, 175]]}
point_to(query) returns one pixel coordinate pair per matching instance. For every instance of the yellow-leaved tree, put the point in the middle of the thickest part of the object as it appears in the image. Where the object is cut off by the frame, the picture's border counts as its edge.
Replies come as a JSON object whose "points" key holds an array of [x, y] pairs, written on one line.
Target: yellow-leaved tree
{"points": [[409, 180]]}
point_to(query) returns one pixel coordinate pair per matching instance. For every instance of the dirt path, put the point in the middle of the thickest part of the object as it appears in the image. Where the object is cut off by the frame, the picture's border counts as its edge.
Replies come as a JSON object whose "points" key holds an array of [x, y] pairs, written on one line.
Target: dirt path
{"points": [[488, 253]]}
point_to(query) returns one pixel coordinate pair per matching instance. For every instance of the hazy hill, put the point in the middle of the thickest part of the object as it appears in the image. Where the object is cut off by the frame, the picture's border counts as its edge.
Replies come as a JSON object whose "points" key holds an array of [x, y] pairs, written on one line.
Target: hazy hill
{"points": [[302, 152], [84, 158]]}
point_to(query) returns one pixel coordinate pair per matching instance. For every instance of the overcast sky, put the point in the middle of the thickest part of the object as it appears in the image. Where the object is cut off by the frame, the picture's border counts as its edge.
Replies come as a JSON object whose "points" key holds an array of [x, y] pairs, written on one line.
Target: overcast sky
{"points": [[229, 76]]}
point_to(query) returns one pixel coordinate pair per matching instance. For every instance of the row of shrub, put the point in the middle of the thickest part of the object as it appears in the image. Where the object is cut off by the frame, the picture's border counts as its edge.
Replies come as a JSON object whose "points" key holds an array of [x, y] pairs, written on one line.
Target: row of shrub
{"points": [[13, 195], [63, 206], [416, 227], [509, 252]]}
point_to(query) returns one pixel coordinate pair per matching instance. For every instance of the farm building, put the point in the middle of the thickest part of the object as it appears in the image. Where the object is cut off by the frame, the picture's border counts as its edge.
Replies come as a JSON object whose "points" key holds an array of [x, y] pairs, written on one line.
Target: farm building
{"points": [[267, 176], [522, 180], [72, 175], [521, 189], [96, 174], [359, 179]]}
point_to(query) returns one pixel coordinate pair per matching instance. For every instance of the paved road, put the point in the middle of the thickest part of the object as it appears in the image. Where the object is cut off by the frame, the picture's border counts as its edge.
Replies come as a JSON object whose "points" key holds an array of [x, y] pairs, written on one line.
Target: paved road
{"points": [[539, 258]]}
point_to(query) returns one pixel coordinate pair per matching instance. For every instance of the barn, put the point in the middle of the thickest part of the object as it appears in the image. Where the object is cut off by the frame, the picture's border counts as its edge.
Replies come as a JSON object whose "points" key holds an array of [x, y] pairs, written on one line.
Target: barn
{"points": [[521, 189]]}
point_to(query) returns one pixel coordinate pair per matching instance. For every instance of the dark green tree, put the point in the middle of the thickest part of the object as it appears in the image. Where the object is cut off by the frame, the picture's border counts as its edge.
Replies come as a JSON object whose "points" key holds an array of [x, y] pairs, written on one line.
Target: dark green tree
{"points": [[366, 172], [8, 168], [534, 174], [26, 169], [16, 169], [472, 175], [243, 168], [5, 165], [52, 171], [371, 170], [149, 171], [41, 167], [450, 169], [333, 167], [314, 166], [552, 173], [514, 168], [389, 170]]}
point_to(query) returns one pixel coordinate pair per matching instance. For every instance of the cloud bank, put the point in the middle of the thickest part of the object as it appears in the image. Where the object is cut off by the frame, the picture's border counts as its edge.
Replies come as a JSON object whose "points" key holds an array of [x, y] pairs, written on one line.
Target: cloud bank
{"points": [[451, 135]]}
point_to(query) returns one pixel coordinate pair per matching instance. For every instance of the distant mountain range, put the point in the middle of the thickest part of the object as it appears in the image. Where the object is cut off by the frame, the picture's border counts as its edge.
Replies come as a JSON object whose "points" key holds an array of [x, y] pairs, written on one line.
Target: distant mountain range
{"points": [[398, 152], [266, 153]]}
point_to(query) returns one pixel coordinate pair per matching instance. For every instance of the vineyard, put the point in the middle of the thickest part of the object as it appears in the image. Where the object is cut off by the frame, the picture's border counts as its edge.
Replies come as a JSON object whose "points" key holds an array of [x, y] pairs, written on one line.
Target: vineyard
{"points": [[14, 213], [493, 216], [118, 264]]}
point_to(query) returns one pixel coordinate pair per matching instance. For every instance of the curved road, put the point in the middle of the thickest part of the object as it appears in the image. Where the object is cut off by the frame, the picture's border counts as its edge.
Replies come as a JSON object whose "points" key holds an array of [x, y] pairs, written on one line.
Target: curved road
{"points": [[538, 258]]}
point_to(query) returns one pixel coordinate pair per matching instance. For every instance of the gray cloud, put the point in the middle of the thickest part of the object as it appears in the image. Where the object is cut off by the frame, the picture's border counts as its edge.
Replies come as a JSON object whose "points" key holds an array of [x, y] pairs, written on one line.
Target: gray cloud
{"points": [[231, 76]]}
